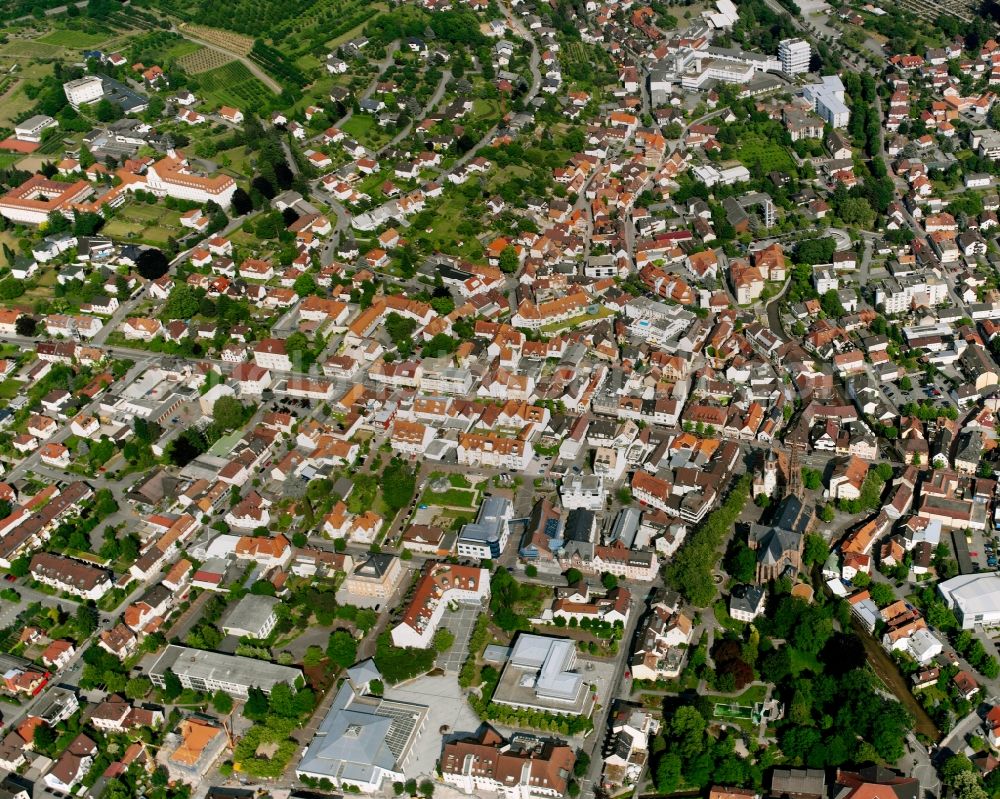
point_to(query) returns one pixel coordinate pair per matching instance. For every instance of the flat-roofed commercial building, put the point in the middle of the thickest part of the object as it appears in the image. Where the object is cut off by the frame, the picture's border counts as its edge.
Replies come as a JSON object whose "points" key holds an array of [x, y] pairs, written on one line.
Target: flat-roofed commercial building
{"points": [[974, 599], [213, 671], [540, 674]]}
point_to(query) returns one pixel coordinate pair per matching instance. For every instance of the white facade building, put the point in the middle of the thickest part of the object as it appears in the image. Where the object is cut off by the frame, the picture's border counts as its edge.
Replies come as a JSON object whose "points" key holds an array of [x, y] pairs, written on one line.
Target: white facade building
{"points": [[84, 90], [794, 55], [974, 598], [827, 98], [583, 491]]}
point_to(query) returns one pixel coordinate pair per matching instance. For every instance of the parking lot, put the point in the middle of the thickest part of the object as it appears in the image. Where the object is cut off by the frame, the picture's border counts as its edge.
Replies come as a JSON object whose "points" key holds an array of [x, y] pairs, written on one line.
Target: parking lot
{"points": [[935, 391], [460, 622], [975, 554]]}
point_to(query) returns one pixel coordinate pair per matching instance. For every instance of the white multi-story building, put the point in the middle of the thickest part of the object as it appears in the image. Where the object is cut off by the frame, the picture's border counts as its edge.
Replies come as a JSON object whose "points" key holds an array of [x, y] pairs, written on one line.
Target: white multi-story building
{"points": [[974, 599], [583, 491], [214, 671], [825, 279], [794, 55], [718, 71], [632, 729], [475, 449], [253, 616], [440, 377], [32, 128], [83, 91], [486, 537], [986, 141], [897, 295], [270, 353], [827, 98]]}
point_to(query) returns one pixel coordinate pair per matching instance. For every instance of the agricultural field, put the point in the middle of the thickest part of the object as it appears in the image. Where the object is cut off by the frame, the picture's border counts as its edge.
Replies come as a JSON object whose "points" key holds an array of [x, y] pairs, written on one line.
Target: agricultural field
{"points": [[23, 48], [233, 84], [588, 66], [234, 42], [74, 40], [14, 101], [202, 59]]}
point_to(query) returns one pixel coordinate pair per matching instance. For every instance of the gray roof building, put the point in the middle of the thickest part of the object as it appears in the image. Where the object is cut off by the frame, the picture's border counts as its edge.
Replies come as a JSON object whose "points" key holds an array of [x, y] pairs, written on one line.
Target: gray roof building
{"points": [[213, 671], [252, 616], [363, 739], [798, 783]]}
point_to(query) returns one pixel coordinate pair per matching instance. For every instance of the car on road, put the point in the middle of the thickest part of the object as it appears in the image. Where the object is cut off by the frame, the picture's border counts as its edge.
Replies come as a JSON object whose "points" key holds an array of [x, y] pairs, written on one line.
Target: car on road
{"points": [[10, 578]]}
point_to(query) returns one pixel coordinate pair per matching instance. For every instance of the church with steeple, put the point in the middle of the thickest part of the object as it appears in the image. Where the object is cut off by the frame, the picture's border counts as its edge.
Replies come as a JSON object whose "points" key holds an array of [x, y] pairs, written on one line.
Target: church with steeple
{"points": [[779, 545]]}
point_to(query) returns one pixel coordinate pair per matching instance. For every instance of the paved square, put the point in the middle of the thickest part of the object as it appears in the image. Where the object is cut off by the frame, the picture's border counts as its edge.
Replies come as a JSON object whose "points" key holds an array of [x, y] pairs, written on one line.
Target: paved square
{"points": [[460, 622], [449, 716]]}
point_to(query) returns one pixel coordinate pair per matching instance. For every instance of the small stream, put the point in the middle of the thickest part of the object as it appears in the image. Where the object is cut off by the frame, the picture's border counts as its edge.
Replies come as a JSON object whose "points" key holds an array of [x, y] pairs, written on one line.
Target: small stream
{"points": [[886, 670]]}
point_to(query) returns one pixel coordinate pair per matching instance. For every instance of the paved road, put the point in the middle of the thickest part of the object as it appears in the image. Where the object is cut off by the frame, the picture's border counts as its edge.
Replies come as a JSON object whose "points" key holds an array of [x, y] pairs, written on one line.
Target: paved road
{"points": [[536, 84], [428, 108], [33, 460], [380, 67], [620, 689]]}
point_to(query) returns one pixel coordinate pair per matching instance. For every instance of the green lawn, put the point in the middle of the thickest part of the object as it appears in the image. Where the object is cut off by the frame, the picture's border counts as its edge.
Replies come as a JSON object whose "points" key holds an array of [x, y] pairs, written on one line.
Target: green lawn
{"points": [[10, 389], [308, 63], [181, 49], [141, 212], [722, 616], [153, 223], [359, 126], [802, 662], [76, 40], [122, 229], [14, 103], [602, 313], [234, 161], [757, 151], [444, 235], [483, 108], [453, 497]]}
